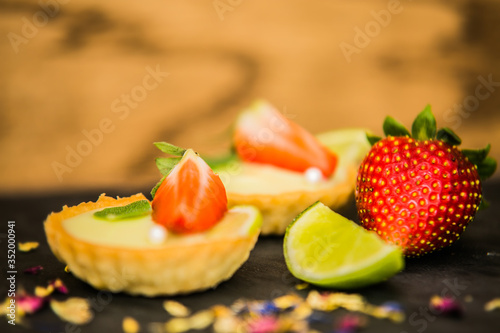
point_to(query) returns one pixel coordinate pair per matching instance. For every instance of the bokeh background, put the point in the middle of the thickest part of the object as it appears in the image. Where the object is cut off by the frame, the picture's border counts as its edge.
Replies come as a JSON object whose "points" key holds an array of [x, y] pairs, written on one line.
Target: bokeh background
{"points": [[87, 86]]}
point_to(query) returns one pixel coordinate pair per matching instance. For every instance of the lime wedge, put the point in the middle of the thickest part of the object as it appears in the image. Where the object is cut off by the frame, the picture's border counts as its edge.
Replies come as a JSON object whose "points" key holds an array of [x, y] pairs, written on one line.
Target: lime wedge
{"points": [[350, 143], [326, 249]]}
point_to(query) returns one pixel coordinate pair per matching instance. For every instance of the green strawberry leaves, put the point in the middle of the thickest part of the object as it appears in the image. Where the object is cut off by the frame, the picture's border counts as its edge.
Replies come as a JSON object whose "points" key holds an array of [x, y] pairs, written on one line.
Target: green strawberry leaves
{"points": [[155, 188], [424, 128], [133, 210], [166, 164], [394, 128], [170, 149], [447, 135]]}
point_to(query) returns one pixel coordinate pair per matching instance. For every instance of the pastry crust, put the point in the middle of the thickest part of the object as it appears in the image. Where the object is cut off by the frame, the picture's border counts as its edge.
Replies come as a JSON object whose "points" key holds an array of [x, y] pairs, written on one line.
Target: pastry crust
{"points": [[165, 270], [278, 211]]}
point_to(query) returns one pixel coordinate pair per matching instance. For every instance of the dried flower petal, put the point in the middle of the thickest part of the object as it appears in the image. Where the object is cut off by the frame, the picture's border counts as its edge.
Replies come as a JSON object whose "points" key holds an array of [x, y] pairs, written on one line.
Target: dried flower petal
{"points": [[446, 306], [29, 303], [227, 324], [44, 291], [201, 319], [177, 325], [176, 309], [492, 305], [264, 308], [33, 270], [27, 246], [130, 325], [389, 310], [59, 286], [302, 286], [350, 323], [266, 324], [75, 310], [301, 312], [288, 301]]}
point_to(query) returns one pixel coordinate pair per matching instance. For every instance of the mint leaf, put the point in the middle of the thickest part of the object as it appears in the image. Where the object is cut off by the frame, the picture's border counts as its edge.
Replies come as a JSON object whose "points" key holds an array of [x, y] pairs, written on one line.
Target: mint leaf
{"points": [[447, 135], [130, 211], [170, 148], [153, 191], [220, 162], [424, 126], [372, 139], [394, 128], [166, 164]]}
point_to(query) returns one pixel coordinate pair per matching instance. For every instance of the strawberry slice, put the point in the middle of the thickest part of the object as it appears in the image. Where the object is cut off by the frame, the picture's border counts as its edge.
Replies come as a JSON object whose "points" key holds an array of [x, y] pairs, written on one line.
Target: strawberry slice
{"points": [[191, 198], [263, 135]]}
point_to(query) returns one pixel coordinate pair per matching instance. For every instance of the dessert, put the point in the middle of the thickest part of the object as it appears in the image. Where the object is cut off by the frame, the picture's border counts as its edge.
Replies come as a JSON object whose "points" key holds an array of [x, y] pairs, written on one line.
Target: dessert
{"points": [[418, 190], [185, 240], [282, 169]]}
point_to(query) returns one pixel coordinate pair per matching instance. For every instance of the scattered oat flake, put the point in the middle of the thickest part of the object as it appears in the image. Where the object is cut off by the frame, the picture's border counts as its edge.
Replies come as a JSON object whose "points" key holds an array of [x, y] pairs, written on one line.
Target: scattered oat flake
{"points": [[176, 309], [66, 269], [492, 305], [27, 246], [130, 325], [75, 310], [446, 306], [33, 270]]}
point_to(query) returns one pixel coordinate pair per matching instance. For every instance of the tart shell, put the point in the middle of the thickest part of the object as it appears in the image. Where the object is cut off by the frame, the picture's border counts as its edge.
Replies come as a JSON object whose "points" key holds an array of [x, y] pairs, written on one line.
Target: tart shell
{"points": [[165, 270], [278, 211]]}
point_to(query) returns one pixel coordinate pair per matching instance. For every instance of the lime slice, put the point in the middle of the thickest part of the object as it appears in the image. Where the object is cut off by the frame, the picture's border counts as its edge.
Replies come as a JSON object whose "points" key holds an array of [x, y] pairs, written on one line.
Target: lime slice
{"points": [[324, 248], [350, 144]]}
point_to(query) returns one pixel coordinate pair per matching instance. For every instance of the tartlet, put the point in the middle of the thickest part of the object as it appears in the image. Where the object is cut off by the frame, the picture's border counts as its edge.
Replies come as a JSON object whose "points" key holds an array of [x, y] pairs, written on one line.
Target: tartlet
{"points": [[123, 255], [282, 169]]}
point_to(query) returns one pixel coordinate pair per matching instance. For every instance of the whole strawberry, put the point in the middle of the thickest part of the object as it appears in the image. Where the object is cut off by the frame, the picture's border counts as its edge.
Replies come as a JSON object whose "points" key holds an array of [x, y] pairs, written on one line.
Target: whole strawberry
{"points": [[420, 191]]}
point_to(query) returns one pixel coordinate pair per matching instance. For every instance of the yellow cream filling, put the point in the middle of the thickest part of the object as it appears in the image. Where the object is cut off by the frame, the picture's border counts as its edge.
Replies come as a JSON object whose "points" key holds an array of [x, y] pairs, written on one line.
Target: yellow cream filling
{"points": [[135, 233], [253, 178]]}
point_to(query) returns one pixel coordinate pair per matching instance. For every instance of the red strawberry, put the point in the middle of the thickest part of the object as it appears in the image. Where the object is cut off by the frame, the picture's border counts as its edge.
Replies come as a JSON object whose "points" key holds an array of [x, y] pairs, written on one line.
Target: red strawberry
{"points": [[420, 193], [191, 197], [263, 135]]}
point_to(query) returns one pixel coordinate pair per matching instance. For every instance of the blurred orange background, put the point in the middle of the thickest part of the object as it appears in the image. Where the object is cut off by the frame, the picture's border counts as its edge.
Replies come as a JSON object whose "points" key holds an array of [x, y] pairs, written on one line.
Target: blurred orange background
{"points": [[88, 86]]}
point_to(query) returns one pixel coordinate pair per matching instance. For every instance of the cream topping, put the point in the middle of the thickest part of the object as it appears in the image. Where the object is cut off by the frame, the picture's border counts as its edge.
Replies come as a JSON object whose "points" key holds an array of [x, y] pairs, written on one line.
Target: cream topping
{"points": [[253, 178], [143, 232]]}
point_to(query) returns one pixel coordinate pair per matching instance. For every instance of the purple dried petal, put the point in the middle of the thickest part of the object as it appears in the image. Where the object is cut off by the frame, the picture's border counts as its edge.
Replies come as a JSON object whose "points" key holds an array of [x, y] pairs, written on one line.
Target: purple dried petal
{"points": [[59, 286], [266, 308], [266, 324], [392, 306], [446, 306], [29, 303], [350, 324], [33, 270]]}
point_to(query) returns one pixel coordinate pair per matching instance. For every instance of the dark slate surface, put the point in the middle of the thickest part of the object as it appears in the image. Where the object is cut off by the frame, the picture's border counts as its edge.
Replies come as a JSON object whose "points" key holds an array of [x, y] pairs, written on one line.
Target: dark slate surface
{"points": [[469, 269]]}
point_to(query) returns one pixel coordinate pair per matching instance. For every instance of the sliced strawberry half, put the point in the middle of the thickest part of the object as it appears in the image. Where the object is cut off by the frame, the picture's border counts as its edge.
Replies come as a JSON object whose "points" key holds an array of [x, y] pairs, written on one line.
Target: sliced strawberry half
{"points": [[191, 198], [264, 135]]}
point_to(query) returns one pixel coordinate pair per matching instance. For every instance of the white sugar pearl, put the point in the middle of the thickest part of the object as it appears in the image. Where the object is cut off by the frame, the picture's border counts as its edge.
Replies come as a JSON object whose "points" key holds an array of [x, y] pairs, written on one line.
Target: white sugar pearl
{"points": [[157, 234], [313, 175]]}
